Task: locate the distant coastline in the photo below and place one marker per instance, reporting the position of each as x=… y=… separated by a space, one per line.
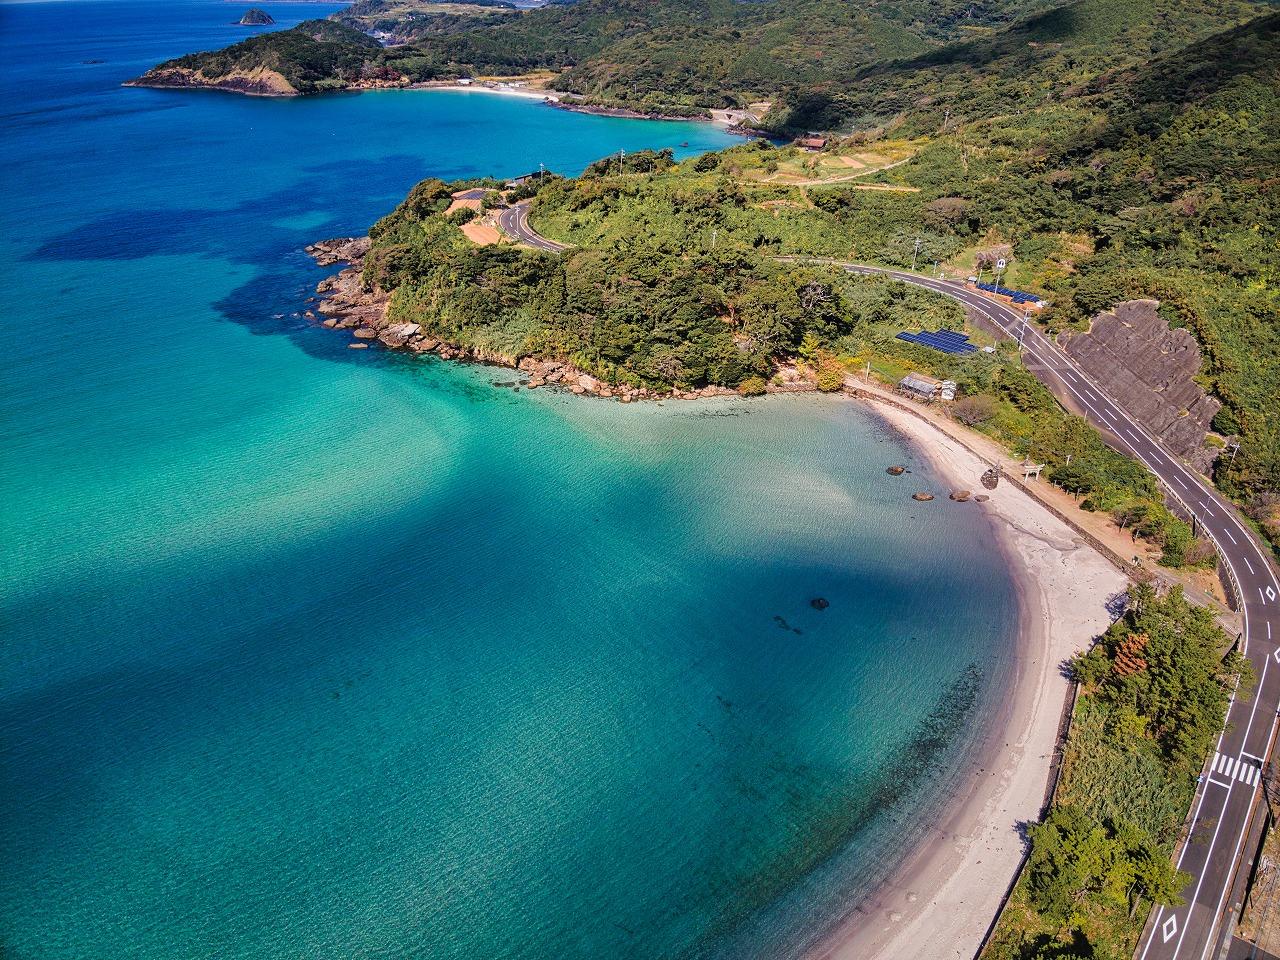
x=268 y=83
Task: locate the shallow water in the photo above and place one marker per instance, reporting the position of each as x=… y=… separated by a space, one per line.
x=315 y=653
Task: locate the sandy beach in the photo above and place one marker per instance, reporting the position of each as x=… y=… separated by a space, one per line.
x=940 y=902
x=521 y=92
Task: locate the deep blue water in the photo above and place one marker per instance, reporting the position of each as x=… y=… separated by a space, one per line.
x=309 y=653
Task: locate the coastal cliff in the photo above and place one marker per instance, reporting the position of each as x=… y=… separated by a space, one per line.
x=313 y=57
x=259 y=82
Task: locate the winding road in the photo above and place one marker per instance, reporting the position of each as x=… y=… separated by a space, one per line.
x=1231 y=785
x=1215 y=851
x=514 y=222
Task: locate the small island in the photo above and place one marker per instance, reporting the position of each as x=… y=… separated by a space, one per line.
x=256 y=18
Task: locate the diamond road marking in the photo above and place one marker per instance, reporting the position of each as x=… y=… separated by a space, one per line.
x=1169 y=928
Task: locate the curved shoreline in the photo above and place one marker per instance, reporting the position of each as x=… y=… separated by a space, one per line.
x=958 y=859
x=945 y=893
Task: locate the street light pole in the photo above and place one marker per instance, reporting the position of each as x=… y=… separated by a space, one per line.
x=915 y=252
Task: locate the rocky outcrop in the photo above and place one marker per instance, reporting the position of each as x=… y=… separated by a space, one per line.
x=1134 y=355
x=256 y=18
x=340 y=250
x=255 y=83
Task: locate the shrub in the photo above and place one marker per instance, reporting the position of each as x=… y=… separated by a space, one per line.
x=974 y=411
x=830 y=377
x=751 y=387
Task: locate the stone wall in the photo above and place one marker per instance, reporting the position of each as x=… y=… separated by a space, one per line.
x=1131 y=352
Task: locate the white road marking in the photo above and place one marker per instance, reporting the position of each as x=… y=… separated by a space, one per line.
x=1219 y=783
x=1228 y=533
x=1169 y=928
x=1249 y=565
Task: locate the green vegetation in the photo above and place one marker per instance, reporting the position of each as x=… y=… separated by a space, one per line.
x=1153 y=696
x=314 y=56
x=823 y=63
x=406 y=21
x=675 y=279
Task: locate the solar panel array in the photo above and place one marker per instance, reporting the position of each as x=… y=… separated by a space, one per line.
x=1017 y=296
x=947 y=341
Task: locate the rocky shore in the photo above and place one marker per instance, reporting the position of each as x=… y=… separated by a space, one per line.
x=347 y=305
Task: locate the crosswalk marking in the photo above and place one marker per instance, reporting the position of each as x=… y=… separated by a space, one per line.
x=1235 y=768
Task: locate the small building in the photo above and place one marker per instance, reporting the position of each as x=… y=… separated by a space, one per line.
x=920 y=386
x=812 y=142
x=520 y=181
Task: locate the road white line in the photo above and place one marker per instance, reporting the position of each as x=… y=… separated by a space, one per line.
x=1244 y=825
x=1219 y=783
x=1249 y=565
x=1227 y=531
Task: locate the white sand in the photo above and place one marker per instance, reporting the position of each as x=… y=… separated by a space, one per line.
x=526 y=93
x=942 y=899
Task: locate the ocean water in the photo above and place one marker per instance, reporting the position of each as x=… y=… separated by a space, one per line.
x=314 y=653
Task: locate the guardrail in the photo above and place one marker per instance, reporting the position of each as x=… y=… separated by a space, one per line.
x=1223 y=563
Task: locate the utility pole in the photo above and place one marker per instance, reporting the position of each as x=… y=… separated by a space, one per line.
x=935 y=269
x=713 y=237
x=1026 y=313
x=915 y=252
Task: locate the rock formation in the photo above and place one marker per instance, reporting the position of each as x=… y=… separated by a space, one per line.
x=1134 y=355
x=256 y=18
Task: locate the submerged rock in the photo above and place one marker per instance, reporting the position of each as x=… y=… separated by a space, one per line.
x=895 y=471
x=819 y=603
x=922 y=496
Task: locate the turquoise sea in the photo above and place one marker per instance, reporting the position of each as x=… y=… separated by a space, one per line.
x=310 y=653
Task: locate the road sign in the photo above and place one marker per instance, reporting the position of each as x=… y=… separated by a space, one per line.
x=1000 y=264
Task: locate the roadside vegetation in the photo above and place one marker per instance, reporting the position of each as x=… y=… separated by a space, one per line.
x=1153 y=696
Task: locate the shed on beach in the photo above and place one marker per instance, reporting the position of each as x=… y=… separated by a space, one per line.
x=923 y=387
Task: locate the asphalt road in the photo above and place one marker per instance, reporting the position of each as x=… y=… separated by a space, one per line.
x=1231 y=781
x=1232 y=776
x=514 y=222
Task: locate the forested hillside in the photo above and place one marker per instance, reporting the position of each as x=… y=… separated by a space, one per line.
x=824 y=63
